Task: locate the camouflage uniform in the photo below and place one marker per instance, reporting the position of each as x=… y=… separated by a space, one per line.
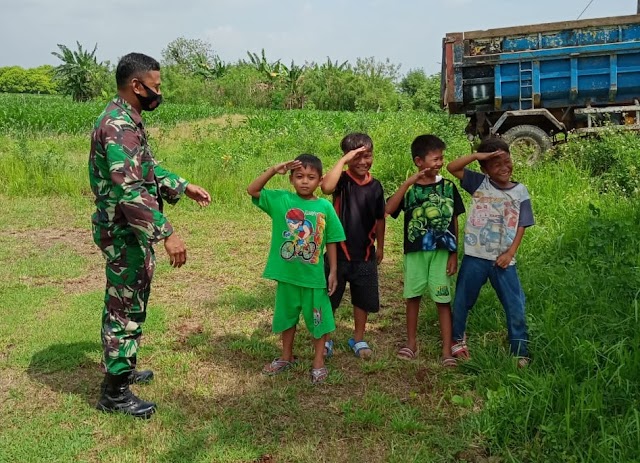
x=129 y=186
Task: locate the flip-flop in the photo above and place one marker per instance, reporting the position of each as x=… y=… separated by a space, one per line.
x=277 y=366
x=448 y=362
x=460 y=350
x=319 y=375
x=407 y=354
x=328 y=347
x=360 y=349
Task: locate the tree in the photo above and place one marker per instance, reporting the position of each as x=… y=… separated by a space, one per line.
x=80 y=74
x=423 y=90
x=191 y=55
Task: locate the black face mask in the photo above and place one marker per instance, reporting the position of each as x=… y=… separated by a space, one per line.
x=151 y=101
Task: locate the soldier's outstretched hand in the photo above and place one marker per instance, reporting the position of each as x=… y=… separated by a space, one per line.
x=176 y=250
x=198 y=194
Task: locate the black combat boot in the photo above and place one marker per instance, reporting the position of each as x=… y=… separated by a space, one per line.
x=116 y=397
x=140 y=377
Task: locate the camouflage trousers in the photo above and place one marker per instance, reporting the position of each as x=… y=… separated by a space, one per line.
x=129 y=270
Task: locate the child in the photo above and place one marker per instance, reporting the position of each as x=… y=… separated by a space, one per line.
x=431 y=207
x=500 y=212
x=359 y=201
x=301 y=227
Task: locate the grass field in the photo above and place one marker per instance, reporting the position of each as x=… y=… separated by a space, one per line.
x=208 y=329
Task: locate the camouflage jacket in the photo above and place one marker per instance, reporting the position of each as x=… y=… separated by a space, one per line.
x=128 y=183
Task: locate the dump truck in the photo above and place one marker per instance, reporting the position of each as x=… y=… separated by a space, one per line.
x=533 y=85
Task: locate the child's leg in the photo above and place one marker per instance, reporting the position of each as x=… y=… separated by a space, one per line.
x=318 y=317
x=444 y=316
x=365 y=297
x=318 y=358
x=335 y=299
x=360 y=317
x=472 y=275
x=287 y=344
x=416 y=279
x=509 y=291
x=413 y=308
x=285 y=319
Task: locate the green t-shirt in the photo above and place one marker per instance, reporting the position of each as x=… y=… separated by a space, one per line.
x=300 y=230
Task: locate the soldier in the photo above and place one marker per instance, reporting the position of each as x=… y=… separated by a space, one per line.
x=129 y=188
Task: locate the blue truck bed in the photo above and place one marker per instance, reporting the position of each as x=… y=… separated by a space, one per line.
x=556 y=68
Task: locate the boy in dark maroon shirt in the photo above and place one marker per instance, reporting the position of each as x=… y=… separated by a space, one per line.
x=359 y=201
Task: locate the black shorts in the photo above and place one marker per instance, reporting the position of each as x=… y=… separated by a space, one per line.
x=363 y=284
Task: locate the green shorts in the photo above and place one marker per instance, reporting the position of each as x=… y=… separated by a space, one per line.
x=427 y=269
x=314 y=304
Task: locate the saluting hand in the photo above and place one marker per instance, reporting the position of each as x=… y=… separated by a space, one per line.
x=353 y=154
x=198 y=194
x=485 y=156
x=285 y=167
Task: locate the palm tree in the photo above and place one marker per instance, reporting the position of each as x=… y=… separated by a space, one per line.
x=78 y=75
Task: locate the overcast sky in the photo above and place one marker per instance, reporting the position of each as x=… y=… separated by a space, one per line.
x=408 y=32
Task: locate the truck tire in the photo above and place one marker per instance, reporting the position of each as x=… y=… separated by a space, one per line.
x=527 y=143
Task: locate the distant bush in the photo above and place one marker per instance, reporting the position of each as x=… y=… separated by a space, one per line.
x=14 y=79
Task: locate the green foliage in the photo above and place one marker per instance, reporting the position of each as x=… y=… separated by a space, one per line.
x=193 y=73
x=422 y=90
x=80 y=75
x=329 y=87
x=190 y=55
x=31 y=114
x=611 y=160
x=14 y=79
x=579 y=399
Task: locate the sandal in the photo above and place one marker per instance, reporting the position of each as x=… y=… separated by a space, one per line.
x=460 y=350
x=448 y=362
x=328 y=349
x=360 y=349
x=407 y=354
x=523 y=362
x=277 y=366
x=319 y=375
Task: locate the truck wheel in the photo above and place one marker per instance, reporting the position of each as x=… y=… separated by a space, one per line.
x=527 y=143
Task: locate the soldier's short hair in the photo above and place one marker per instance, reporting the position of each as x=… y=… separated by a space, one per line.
x=134 y=65
x=310 y=161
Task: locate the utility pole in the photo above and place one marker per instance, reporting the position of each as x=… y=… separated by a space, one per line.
x=638 y=8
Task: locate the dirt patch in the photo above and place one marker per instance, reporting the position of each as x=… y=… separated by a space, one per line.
x=187 y=130
x=187 y=328
x=78 y=239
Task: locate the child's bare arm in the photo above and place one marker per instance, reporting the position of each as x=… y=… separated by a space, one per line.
x=456 y=167
x=381 y=226
x=332 y=255
x=452 y=263
x=506 y=257
x=394 y=202
x=258 y=184
x=330 y=180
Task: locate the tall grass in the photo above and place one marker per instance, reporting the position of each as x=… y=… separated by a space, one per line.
x=23 y=114
x=580 y=398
